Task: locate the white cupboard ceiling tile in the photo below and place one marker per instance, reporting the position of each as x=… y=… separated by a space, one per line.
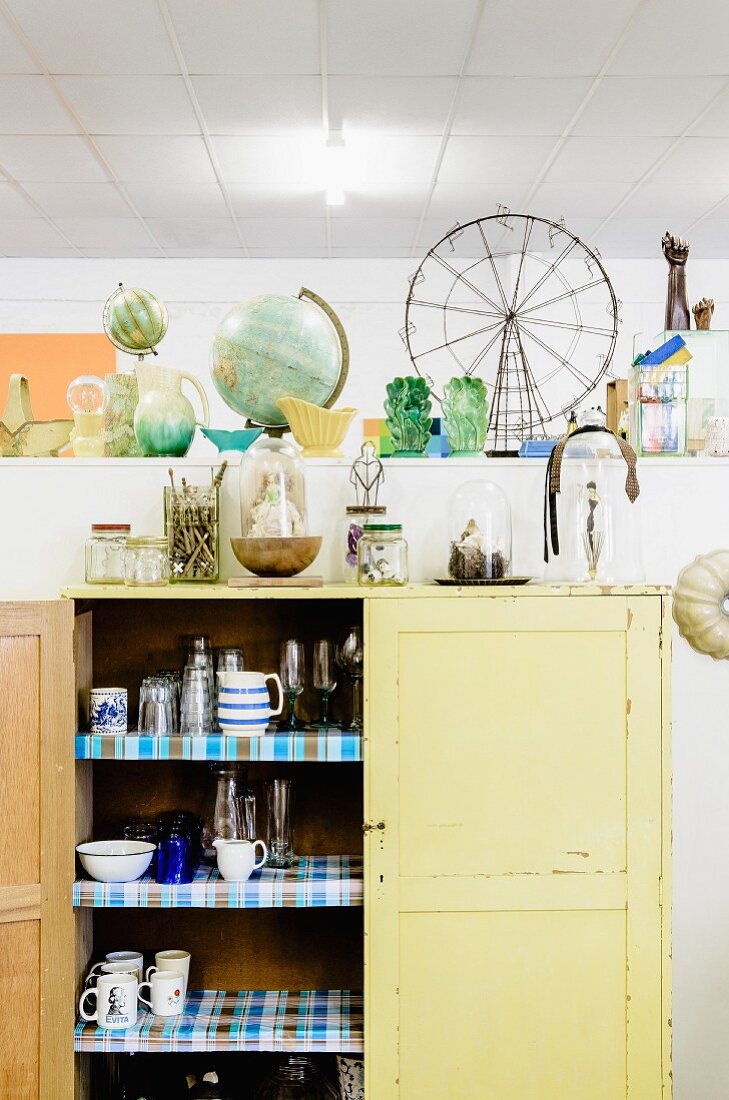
x=25 y=236
x=491 y=159
x=400 y=104
x=371 y=252
x=409 y=37
x=593 y=160
x=78 y=200
x=393 y=200
x=248 y=36
x=131 y=104
x=73 y=36
x=28 y=105
x=13 y=205
x=14 y=58
x=373 y=232
x=177 y=200
x=255 y=200
x=464 y=202
x=169 y=159
x=558 y=38
x=63 y=159
x=716 y=121
x=104 y=232
x=288 y=252
x=259 y=104
x=518 y=105
x=697 y=160
x=195 y=232
x=571 y=201
x=645 y=107
x=697 y=37
x=282 y=233
x=673 y=201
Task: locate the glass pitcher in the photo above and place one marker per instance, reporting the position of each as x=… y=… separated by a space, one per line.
x=233 y=813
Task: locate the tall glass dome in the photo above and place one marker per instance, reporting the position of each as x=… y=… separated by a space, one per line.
x=272 y=490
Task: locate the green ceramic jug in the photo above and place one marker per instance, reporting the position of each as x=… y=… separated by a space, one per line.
x=164 y=420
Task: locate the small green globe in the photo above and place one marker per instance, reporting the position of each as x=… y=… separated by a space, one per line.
x=277 y=346
x=134 y=320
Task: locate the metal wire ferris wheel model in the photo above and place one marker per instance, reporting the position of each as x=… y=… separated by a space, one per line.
x=524 y=304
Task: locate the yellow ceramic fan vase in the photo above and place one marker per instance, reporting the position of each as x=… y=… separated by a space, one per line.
x=701 y=604
x=319 y=432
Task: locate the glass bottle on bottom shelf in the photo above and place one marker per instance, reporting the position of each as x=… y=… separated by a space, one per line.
x=232 y=816
x=297 y=1078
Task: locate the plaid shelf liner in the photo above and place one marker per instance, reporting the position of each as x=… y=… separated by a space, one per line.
x=313 y=882
x=327 y=1020
x=331 y=745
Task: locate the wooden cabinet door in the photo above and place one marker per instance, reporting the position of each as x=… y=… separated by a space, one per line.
x=514 y=848
x=37 y=981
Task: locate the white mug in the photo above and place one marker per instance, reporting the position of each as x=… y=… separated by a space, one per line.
x=109 y=968
x=166 y=993
x=244 y=705
x=237 y=858
x=175 y=962
x=134 y=959
x=116 y=1001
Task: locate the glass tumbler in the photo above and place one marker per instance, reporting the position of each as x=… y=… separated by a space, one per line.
x=156 y=715
x=196 y=713
x=230 y=659
x=280 y=832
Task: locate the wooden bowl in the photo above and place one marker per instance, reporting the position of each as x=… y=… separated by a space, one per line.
x=283 y=557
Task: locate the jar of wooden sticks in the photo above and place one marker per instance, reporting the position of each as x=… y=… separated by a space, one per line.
x=192 y=524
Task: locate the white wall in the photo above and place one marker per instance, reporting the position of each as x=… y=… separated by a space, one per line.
x=47 y=507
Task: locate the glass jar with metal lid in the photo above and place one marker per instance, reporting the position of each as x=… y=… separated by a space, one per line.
x=146 y=562
x=105 y=553
x=382 y=555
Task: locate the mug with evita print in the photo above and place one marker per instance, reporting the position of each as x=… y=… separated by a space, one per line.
x=116 y=1001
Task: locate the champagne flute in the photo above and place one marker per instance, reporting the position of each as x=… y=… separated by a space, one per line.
x=292 y=678
x=325 y=677
x=350 y=658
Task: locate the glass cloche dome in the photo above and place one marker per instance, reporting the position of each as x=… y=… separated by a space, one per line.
x=272 y=490
x=479 y=533
x=592 y=520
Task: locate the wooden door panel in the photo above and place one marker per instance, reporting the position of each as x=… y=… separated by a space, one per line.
x=20 y=1009
x=512 y=753
x=19 y=764
x=513 y=1006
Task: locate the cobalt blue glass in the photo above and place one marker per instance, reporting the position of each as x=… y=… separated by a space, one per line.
x=175 y=857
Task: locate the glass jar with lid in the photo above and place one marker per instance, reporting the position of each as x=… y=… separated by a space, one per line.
x=480 y=533
x=146 y=562
x=356 y=518
x=272 y=490
x=105 y=553
x=382 y=555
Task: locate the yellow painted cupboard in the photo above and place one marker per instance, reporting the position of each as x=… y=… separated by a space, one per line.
x=516 y=808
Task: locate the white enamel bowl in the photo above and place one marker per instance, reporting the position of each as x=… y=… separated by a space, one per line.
x=115 y=860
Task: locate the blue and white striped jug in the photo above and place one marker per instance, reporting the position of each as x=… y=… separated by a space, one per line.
x=244 y=704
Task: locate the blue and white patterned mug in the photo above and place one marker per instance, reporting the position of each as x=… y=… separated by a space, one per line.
x=108 y=710
x=244 y=705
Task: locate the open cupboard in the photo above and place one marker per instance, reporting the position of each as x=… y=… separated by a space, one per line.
x=510 y=798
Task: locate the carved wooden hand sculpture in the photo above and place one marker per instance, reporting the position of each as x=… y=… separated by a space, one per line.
x=703 y=311
x=676 y=251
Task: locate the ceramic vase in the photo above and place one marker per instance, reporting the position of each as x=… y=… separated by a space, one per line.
x=465 y=416
x=408 y=421
x=164 y=420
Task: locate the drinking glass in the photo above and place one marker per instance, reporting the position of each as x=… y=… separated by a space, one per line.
x=174 y=677
x=280 y=832
x=350 y=658
x=200 y=654
x=325 y=677
x=155 y=707
x=196 y=716
x=246 y=807
x=292 y=678
x=230 y=659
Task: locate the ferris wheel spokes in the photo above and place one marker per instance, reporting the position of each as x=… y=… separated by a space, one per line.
x=550 y=270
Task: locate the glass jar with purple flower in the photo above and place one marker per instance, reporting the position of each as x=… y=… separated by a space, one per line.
x=356 y=518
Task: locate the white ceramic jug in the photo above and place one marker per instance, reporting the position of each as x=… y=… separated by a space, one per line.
x=237 y=858
x=244 y=705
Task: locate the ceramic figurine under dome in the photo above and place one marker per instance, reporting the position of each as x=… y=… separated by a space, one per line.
x=274 y=514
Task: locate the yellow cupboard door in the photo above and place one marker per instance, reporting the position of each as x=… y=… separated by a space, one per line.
x=36 y=851
x=513 y=848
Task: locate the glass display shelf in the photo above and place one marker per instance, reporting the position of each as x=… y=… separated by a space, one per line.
x=311 y=1021
x=309 y=745
x=313 y=882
